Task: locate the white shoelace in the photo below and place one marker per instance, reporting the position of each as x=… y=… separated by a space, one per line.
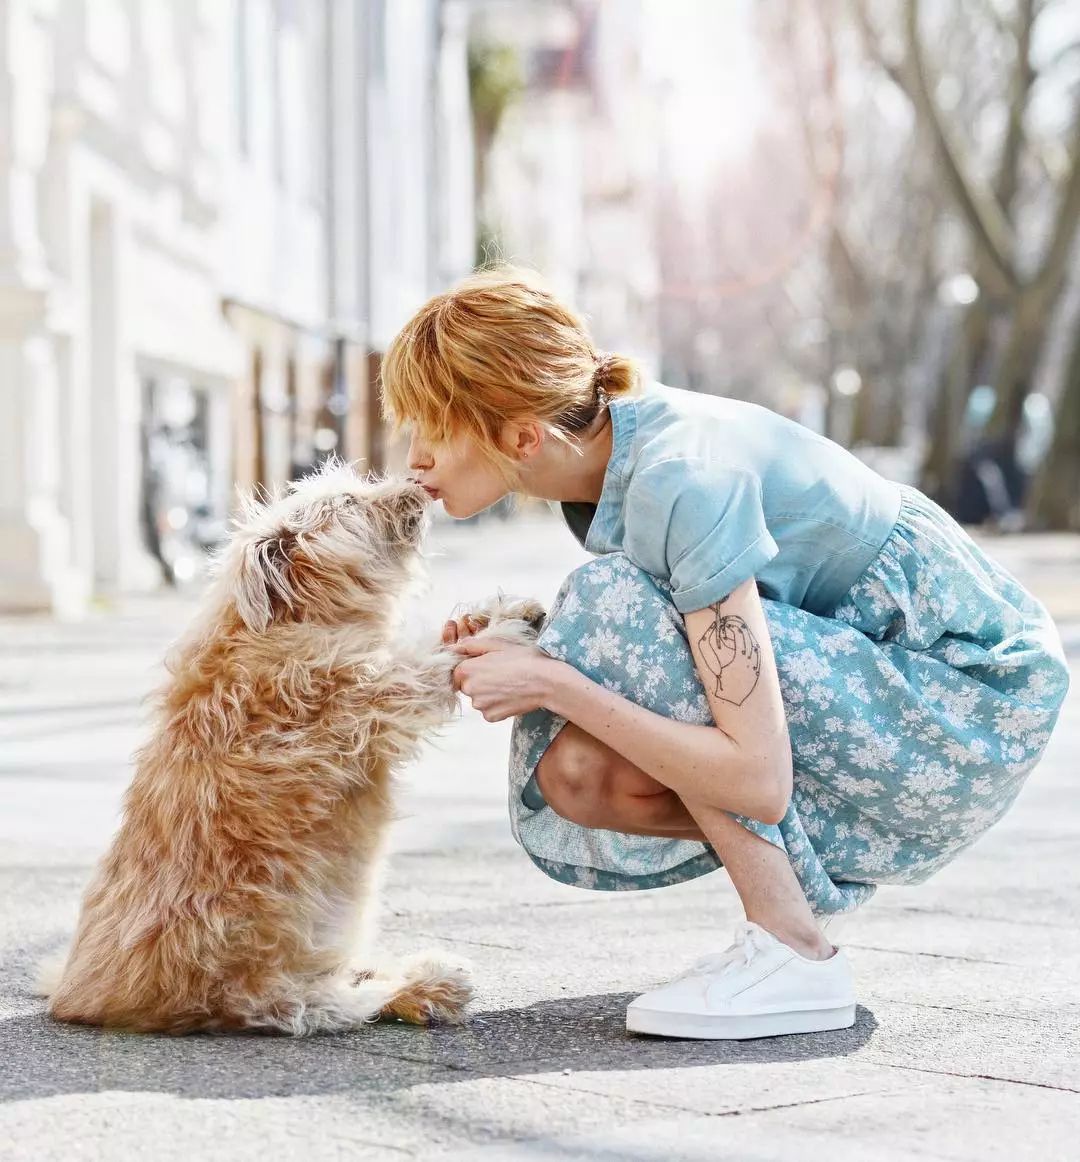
x=748 y=943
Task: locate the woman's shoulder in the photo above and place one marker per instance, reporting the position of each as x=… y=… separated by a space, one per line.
x=691 y=432
x=724 y=435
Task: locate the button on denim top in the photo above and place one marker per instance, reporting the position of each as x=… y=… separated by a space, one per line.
x=707 y=492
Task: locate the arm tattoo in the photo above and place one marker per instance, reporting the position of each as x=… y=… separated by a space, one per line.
x=732 y=656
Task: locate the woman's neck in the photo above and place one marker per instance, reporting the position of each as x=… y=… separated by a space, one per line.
x=563 y=473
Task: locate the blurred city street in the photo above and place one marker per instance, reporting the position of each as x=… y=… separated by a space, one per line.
x=217 y=218
x=964 y=1047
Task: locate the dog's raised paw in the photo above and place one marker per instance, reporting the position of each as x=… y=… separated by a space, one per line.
x=529 y=611
x=502 y=608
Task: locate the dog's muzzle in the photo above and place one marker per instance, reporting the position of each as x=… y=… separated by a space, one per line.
x=412 y=510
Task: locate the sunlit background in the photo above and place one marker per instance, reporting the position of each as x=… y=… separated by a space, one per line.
x=215 y=214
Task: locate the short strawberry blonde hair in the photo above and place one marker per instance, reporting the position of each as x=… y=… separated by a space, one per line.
x=498 y=347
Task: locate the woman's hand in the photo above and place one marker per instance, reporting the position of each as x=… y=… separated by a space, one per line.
x=503 y=680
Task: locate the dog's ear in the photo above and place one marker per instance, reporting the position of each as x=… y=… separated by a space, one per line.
x=263 y=587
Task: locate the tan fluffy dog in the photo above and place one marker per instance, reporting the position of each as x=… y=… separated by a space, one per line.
x=237 y=893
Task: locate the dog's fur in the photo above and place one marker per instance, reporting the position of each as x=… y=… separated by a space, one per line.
x=237 y=893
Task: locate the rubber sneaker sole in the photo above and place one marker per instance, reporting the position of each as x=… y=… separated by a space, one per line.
x=719 y=1027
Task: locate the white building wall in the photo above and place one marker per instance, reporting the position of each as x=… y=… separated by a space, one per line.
x=401 y=154
x=303 y=166
x=455 y=243
x=97 y=96
x=421 y=230
x=273 y=215
x=117 y=104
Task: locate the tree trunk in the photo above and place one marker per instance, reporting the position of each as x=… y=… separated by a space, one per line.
x=954 y=386
x=1054 y=500
x=892 y=427
x=878 y=412
x=1019 y=359
x=866 y=412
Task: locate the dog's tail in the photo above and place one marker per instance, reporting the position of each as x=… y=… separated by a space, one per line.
x=49 y=971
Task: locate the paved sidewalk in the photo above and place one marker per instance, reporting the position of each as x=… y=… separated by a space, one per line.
x=967 y=1044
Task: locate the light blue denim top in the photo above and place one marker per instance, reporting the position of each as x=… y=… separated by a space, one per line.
x=706 y=492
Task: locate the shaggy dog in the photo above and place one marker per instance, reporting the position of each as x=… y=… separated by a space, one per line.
x=238 y=891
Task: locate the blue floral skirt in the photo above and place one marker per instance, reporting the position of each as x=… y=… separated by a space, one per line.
x=916 y=712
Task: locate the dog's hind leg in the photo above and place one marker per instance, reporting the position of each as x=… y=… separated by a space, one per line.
x=423 y=991
x=429 y=991
x=331 y=1005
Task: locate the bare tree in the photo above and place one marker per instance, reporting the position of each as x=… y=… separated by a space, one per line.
x=1020 y=280
x=875 y=266
x=1054 y=500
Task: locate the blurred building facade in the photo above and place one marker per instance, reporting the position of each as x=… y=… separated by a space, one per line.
x=573 y=170
x=214 y=214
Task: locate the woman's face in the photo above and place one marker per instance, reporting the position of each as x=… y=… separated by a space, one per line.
x=457 y=474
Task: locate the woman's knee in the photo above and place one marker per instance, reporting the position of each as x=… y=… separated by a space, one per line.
x=575 y=779
x=581 y=781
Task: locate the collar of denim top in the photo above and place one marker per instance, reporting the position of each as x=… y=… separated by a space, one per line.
x=594 y=524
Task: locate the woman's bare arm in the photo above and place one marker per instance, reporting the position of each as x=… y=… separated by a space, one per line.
x=743 y=762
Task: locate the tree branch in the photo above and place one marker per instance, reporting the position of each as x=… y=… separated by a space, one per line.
x=1023 y=77
x=1066 y=221
x=997 y=18
x=893 y=69
x=992 y=232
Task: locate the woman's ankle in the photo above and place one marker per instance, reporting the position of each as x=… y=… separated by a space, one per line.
x=809 y=942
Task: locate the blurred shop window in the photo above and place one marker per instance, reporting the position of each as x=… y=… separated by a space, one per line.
x=181 y=522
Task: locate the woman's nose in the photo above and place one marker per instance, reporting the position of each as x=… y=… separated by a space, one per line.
x=418 y=458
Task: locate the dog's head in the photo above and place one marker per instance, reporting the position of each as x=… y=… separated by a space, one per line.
x=337 y=546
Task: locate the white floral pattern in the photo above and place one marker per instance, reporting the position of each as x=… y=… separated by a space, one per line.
x=915 y=713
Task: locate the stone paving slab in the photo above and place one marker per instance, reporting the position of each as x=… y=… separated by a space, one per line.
x=999 y=1124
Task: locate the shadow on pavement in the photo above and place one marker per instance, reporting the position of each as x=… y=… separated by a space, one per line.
x=41 y=1058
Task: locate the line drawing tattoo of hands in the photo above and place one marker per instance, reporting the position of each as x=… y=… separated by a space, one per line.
x=733 y=656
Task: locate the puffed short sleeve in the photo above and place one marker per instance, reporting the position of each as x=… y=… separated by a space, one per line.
x=698 y=526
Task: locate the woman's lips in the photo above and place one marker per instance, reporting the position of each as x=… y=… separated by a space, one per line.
x=432 y=492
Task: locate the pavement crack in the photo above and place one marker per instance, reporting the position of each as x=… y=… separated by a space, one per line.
x=461 y=940
x=979 y=1077
x=951 y=915
x=934 y=955
x=985 y=1015
x=663 y=1105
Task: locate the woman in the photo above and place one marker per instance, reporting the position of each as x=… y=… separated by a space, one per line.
x=778 y=662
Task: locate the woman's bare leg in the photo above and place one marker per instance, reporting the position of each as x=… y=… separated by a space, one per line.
x=583 y=777
x=765 y=880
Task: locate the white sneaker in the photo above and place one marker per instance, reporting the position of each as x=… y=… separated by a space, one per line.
x=756 y=988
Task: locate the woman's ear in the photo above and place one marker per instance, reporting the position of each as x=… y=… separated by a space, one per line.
x=523 y=438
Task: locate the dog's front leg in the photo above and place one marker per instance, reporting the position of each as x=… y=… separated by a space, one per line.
x=413 y=696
